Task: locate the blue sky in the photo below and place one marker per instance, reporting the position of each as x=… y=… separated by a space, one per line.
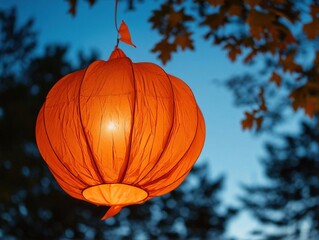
x=228 y=149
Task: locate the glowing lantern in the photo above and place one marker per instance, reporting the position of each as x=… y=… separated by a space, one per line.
x=119 y=133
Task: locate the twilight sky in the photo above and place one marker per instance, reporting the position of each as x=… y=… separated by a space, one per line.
x=228 y=149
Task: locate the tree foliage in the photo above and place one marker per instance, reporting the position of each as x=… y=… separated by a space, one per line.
x=33 y=206
x=281 y=33
x=288 y=202
x=16 y=46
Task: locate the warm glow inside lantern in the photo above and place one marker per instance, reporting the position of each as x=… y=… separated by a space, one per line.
x=119 y=133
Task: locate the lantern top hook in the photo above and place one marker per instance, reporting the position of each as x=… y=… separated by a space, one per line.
x=117 y=53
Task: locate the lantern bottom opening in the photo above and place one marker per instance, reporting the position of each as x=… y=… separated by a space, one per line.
x=114 y=194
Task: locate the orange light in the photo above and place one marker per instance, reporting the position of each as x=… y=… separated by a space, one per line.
x=119 y=133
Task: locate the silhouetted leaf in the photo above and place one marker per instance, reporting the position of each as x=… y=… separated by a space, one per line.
x=253 y=3
x=73 y=5
x=248 y=121
x=165 y=50
x=250 y=56
x=312 y=28
x=235 y=10
x=259 y=22
x=233 y=51
x=184 y=41
x=288 y=63
x=306 y=97
x=92 y=2
x=216 y=2
x=276 y=78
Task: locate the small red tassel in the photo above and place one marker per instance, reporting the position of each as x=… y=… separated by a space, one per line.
x=112 y=212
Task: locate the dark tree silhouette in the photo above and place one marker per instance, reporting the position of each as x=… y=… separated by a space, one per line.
x=32 y=205
x=17 y=44
x=289 y=201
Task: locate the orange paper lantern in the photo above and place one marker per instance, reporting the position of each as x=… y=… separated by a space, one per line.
x=119 y=133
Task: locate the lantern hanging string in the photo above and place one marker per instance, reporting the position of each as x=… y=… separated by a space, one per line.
x=115 y=22
x=123 y=33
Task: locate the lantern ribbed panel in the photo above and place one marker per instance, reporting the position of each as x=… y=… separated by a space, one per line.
x=120 y=122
